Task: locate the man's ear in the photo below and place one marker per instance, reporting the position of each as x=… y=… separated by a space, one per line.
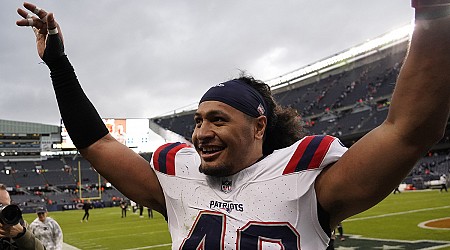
x=260 y=127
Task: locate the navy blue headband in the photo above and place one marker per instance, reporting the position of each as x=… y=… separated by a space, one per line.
x=238 y=95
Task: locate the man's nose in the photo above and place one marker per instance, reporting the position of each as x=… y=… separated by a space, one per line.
x=204 y=131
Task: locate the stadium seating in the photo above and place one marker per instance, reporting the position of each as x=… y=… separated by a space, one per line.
x=345 y=102
x=54 y=182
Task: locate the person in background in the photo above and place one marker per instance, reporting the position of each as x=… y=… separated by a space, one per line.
x=141 y=211
x=341 y=232
x=150 y=212
x=47 y=230
x=124 y=207
x=443 y=180
x=87 y=205
x=16 y=236
x=134 y=206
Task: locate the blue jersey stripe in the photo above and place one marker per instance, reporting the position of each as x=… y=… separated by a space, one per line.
x=309 y=153
x=162 y=159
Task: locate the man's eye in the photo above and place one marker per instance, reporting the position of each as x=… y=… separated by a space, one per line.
x=218 y=119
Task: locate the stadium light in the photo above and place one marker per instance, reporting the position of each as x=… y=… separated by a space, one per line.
x=7 y=170
x=38 y=169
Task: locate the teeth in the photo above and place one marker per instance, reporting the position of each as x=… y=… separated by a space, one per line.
x=210 y=149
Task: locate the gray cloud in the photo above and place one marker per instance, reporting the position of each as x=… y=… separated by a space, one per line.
x=145 y=58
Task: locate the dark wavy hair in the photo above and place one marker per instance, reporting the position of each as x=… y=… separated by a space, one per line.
x=285 y=124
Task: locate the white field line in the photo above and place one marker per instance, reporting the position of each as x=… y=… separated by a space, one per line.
x=150 y=247
x=397 y=213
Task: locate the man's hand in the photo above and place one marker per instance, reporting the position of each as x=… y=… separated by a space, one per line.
x=43 y=25
x=8 y=231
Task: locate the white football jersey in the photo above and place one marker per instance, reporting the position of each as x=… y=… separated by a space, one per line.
x=269 y=205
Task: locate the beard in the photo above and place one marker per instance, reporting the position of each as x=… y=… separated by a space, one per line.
x=215 y=171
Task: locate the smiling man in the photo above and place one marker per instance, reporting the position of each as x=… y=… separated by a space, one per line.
x=253 y=180
x=234 y=174
x=230 y=124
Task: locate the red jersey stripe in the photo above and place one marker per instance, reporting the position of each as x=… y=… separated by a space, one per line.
x=170 y=159
x=293 y=162
x=156 y=155
x=321 y=151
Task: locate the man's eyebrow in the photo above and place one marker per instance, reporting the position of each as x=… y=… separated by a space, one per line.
x=212 y=113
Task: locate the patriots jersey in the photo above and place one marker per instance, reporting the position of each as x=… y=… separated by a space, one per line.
x=269 y=205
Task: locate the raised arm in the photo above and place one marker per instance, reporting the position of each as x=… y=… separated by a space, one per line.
x=417 y=118
x=126 y=170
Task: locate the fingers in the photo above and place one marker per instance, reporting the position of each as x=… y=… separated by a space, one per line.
x=29 y=20
x=51 y=24
x=42 y=14
x=23 y=13
x=43 y=23
x=53 y=27
x=4 y=231
x=39 y=21
x=44 y=26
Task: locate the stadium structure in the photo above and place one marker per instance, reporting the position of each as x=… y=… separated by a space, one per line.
x=345 y=95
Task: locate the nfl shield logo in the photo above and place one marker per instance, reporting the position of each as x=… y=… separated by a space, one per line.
x=261 y=109
x=226 y=186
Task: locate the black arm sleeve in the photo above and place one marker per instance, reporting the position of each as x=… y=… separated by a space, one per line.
x=79 y=115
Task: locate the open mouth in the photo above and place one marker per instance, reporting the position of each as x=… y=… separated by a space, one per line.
x=208 y=152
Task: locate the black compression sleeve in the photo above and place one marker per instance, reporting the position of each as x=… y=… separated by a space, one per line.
x=79 y=115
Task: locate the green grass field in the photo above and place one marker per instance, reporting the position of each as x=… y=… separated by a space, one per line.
x=107 y=230
x=395 y=220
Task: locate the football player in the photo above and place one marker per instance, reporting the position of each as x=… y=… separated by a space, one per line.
x=251 y=180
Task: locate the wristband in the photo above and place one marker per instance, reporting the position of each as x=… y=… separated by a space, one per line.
x=53 y=31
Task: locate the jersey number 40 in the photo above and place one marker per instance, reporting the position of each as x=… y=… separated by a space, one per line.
x=208 y=232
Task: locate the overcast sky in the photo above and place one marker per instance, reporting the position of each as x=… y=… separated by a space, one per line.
x=145 y=58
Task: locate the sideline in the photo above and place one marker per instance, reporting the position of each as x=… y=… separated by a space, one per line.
x=69 y=247
x=398 y=213
x=149 y=247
